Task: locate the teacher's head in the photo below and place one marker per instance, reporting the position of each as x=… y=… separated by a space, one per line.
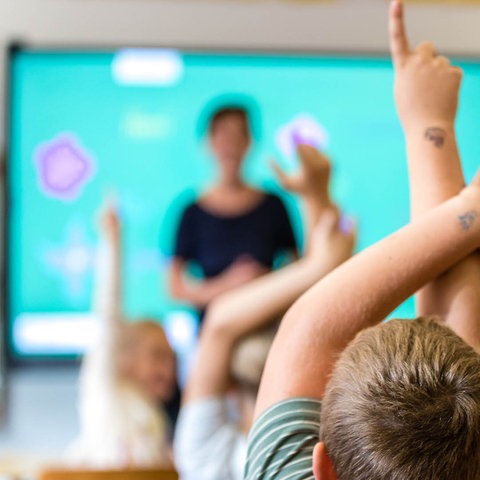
x=229 y=134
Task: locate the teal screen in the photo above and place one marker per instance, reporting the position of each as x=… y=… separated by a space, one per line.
x=131 y=124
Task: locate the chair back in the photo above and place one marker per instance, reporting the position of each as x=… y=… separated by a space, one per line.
x=55 y=474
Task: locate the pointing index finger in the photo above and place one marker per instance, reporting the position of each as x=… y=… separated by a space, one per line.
x=399 y=45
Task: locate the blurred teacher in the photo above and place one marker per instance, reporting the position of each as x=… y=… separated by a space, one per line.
x=234 y=231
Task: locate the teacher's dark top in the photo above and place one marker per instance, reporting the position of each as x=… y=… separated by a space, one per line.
x=214 y=242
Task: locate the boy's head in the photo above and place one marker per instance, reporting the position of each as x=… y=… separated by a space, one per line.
x=404 y=403
x=229 y=132
x=148 y=360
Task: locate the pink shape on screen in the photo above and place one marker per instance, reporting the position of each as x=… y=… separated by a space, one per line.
x=64 y=167
x=303 y=129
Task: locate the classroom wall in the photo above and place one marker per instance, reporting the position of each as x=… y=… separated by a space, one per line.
x=346 y=24
x=41 y=406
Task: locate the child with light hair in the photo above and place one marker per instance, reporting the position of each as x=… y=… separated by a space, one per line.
x=347 y=397
x=238 y=332
x=126 y=379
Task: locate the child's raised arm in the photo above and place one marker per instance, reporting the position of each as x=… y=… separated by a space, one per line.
x=108 y=275
x=312 y=183
x=361 y=293
x=426 y=92
x=261 y=302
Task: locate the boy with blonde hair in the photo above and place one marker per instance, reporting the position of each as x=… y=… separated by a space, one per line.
x=399 y=400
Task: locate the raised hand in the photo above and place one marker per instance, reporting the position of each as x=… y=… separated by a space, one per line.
x=332 y=243
x=312 y=180
x=110 y=222
x=426 y=85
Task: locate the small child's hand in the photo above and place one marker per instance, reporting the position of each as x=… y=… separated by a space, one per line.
x=110 y=222
x=333 y=243
x=313 y=178
x=426 y=85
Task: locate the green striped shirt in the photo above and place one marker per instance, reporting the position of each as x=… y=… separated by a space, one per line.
x=281 y=442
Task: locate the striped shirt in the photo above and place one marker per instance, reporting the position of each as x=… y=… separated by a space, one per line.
x=281 y=442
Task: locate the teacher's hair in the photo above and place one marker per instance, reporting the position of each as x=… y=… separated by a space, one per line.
x=227 y=111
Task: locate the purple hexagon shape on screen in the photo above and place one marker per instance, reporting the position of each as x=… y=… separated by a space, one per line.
x=64 y=167
x=303 y=129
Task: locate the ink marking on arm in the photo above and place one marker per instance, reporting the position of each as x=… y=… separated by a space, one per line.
x=467 y=220
x=436 y=136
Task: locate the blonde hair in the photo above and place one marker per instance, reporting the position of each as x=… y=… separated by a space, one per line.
x=249 y=358
x=141 y=327
x=130 y=337
x=403 y=403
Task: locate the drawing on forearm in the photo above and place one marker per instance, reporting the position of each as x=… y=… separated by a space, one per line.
x=436 y=136
x=468 y=219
